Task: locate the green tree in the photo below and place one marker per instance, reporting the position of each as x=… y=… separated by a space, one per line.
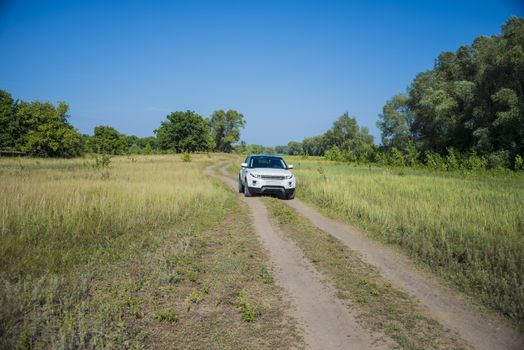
x=395 y=123
x=347 y=135
x=9 y=128
x=225 y=128
x=184 y=132
x=282 y=149
x=294 y=148
x=314 y=146
x=45 y=130
x=108 y=140
x=472 y=100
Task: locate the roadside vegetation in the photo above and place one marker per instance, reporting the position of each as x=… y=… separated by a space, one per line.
x=118 y=252
x=465 y=226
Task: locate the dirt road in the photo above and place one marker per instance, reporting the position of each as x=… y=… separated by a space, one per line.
x=326 y=322
x=478 y=327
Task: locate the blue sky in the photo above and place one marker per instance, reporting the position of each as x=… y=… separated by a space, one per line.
x=291 y=67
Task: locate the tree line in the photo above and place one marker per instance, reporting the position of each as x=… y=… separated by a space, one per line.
x=42 y=129
x=468 y=109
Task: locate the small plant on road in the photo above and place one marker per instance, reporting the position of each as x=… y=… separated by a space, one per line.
x=245 y=307
x=166 y=315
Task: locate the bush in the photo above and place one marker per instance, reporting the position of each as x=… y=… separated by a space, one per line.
x=475 y=162
x=412 y=154
x=453 y=159
x=334 y=154
x=186 y=157
x=498 y=160
x=395 y=157
x=434 y=161
x=519 y=163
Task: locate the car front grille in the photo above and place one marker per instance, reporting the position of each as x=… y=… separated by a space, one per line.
x=273 y=177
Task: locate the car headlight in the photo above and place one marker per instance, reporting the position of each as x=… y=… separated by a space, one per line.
x=255 y=175
x=289 y=176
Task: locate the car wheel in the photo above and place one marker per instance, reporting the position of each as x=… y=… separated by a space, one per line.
x=290 y=195
x=240 y=186
x=246 y=192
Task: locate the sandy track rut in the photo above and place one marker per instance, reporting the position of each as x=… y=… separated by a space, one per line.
x=326 y=321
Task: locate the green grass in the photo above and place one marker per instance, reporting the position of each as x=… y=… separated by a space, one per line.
x=112 y=257
x=379 y=306
x=466 y=227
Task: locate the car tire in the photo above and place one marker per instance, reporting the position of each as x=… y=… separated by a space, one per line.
x=246 y=192
x=240 y=186
x=289 y=196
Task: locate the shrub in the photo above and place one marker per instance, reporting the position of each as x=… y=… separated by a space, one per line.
x=395 y=157
x=349 y=156
x=412 y=154
x=186 y=157
x=334 y=154
x=453 y=159
x=434 y=161
x=519 y=163
x=475 y=162
x=498 y=160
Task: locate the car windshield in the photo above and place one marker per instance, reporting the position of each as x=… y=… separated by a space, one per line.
x=268 y=162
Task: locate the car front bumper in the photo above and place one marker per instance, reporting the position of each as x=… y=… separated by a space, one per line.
x=262 y=186
x=278 y=190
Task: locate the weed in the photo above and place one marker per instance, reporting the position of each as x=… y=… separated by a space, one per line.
x=166 y=315
x=246 y=309
x=101 y=161
x=196 y=297
x=265 y=275
x=186 y=157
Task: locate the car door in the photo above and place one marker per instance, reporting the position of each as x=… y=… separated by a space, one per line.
x=243 y=171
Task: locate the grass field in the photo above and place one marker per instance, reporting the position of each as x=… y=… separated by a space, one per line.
x=120 y=256
x=466 y=227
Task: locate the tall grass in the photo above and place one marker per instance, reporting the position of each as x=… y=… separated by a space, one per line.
x=467 y=227
x=64 y=221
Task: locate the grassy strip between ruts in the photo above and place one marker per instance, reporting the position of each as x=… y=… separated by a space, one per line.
x=380 y=306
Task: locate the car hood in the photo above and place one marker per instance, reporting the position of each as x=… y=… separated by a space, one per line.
x=270 y=171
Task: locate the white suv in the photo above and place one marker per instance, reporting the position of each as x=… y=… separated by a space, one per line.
x=266 y=175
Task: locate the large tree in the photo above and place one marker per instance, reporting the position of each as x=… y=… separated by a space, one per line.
x=39 y=129
x=108 y=140
x=348 y=136
x=49 y=133
x=472 y=100
x=315 y=145
x=184 y=132
x=9 y=128
x=395 y=122
x=225 y=128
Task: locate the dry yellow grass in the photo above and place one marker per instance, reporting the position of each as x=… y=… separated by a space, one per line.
x=55 y=213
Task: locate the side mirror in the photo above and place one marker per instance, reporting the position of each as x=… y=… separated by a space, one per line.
x=290 y=166
x=243 y=165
